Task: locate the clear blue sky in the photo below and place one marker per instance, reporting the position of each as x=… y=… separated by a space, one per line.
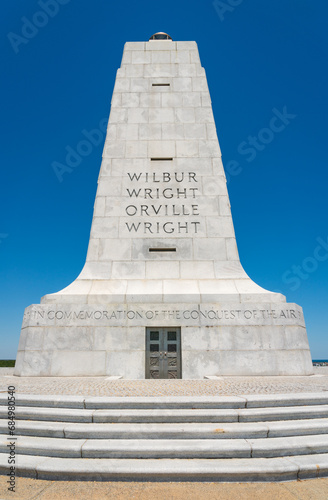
x=57 y=80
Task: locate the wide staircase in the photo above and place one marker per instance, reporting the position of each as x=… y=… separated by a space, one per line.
x=246 y=438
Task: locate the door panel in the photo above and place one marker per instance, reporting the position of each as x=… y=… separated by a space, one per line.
x=163 y=353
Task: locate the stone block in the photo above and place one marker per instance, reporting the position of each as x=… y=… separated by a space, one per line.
x=232 y=251
x=73 y=363
x=127 y=57
x=131 y=363
x=181 y=56
x=118 y=338
x=127 y=131
x=196 y=270
x=160 y=70
x=136 y=149
x=220 y=227
x=172 y=131
x=186 y=70
x=122 y=85
x=224 y=204
x=182 y=84
x=150 y=100
x=166 y=270
x=109 y=187
x=164 y=115
x=129 y=270
x=135 y=70
x=104 y=227
x=199 y=363
x=210 y=249
x=214 y=185
x=106 y=164
x=139 y=85
x=107 y=291
x=140 y=57
x=204 y=115
x=99 y=208
x=178 y=290
x=160 y=56
x=137 y=115
x=130 y=99
x=114 y=249
x=194 y=57
x=31 y=339
x=172 y=100
x=187 y=148
x=194 y=130
x=161 y=45
x=295 y=337
x=187 y=46
x=118 y=115
x=114 y=149
x=145 y=291
x=161 y=149
x=199 y=84
x=215 y=290
x=77 y=338
x=135 y=46
x=96 y=271
x=217 y=166
x=185 y=115
x=33 y=363
x=229 y=269
x=151 y=132
x=206 y=101
x=116 y=100
x=191 y=99
x=209 y=149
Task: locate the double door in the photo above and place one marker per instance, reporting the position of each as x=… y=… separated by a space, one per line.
x=163 y=353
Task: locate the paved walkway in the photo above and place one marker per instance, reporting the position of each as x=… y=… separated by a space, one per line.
x=103 y=386
x=33 y=489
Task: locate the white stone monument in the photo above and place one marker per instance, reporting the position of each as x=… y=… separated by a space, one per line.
x=162 y=293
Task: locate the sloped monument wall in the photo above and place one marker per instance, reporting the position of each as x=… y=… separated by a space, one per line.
x=162 y=249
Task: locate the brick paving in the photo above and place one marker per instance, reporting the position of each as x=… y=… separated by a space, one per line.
x=102 y=386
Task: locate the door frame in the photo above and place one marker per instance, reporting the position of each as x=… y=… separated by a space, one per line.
x=164 y=353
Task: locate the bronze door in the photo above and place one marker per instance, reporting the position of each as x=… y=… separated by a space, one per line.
x=163 y=353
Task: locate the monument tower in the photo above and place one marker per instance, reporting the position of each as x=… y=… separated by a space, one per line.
x=162 y=293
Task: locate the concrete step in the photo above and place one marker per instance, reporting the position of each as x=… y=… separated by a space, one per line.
x=233 y=469
x=168 y=448
x=167 y=416
x=246 y=438
x=178 y=402
x=235 y=430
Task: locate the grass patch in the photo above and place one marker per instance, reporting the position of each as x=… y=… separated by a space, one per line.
x=8 y=363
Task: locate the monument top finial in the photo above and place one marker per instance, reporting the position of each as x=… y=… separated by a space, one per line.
x=160 y=36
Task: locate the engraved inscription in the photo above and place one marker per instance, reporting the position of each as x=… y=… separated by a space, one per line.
x=192 y=314
x=163 y=202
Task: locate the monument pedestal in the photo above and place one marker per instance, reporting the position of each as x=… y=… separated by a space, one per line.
x=216 y=339
x=162 y=293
